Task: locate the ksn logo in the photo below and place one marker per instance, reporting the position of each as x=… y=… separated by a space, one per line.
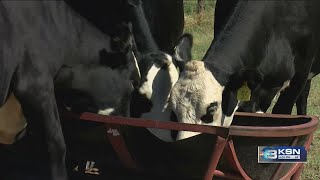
x=282 y=154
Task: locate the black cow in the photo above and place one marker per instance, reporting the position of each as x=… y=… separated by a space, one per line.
x=45 y=45
x=262 y=99
x=166 y=21
x=165 y=17
x=263 y=45
x=159 y=71
x=302 y=103
x=105 y=15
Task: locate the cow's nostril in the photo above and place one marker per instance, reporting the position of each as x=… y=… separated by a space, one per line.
x=208 y=118
x=240 y=109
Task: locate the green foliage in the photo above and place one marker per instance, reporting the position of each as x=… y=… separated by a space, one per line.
x=200 y=26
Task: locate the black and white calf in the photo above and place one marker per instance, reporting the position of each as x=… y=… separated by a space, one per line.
x=61 y=50
x=263 y=45
x=157 y=29
x=159 y=71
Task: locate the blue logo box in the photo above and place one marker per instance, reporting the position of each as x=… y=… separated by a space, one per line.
x=282 y=154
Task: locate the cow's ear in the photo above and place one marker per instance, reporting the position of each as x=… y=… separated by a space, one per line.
x=182 y=50
x=112 y=59
x=64 y=77
x=239 y=88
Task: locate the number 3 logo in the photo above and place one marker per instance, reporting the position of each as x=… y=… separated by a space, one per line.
x=272 y=154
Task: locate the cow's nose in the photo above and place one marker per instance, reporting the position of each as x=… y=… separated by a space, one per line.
x=246 y=107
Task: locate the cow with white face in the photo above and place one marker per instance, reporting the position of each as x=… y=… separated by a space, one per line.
x=197 y=98
x=263 y=45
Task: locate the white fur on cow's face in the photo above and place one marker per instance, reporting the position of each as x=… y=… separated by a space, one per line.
x=195 y=90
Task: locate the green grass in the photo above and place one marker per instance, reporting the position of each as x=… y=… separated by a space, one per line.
x=312 y=168
x=201 y=27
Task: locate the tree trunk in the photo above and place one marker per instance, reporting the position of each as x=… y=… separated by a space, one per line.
x=200 y=9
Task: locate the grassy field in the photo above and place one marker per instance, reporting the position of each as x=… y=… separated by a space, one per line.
x=201 y=27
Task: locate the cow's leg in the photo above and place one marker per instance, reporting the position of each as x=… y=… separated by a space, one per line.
x=302 y=100
x=35 y=91
x=304 y=49
x=290 y=95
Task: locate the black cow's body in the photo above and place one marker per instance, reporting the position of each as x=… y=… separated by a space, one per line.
x=105 y=15
x=166 y=21
x=44 y=43
x=302 y=103
x=263 y=98
x=165 y=17
x=263 y=44
x=295 y=21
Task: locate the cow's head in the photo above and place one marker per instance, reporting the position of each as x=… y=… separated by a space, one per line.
x=159 y=72
x=207 y=95
x=278 y=69
x=122 y=58
x=94 y=88
x=262 y=97
x=103 y=87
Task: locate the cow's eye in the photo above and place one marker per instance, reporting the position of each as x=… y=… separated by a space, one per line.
x=211 y=109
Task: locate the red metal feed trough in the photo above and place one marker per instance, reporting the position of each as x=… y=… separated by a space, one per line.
x=216 y=153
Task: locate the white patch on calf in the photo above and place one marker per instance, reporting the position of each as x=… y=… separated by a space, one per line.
x=157 y=88
x=12 y=120
x=146 y=88
x=136 y=64
x=195 y=90
x=159 y=82
x=107 y=111
x=169 y=59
